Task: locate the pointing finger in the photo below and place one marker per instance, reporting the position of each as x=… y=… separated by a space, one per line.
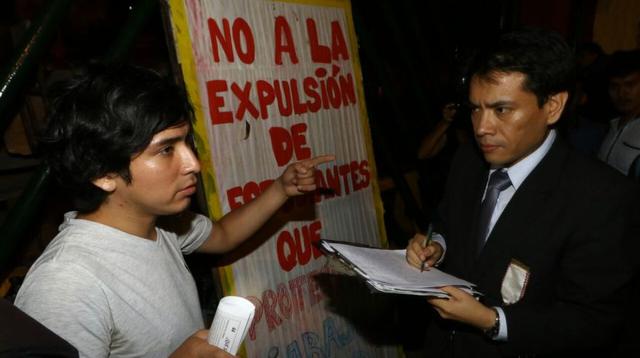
x=300 y=168
x=319 y=160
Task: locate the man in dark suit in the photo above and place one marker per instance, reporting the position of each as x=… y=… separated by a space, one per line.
x=545 y=233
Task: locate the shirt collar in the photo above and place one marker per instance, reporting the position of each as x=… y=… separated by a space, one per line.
x=521 y=170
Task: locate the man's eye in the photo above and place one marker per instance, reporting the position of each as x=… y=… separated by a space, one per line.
x=502 y=110
x=166 y=150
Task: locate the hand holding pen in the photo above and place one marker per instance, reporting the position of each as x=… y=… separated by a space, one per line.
x=422 y=251
x=425 y=242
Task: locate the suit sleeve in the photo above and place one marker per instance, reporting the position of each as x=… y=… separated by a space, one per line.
x=591 y=287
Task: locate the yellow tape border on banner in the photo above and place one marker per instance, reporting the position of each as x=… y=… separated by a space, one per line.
x=184 y=53
x=183 y=42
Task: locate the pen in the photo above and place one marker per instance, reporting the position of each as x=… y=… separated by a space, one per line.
x=425 y=243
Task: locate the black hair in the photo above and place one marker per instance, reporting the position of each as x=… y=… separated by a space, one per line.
x=542 y=56
x=623 y=63
x=101 y=119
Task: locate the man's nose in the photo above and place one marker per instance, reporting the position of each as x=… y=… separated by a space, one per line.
x=483 y=123
x=190 y=162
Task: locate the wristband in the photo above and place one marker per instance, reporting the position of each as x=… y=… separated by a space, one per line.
x=493 y=331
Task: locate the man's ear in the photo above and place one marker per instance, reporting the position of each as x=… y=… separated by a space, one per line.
x=555 y=105
x=106 y=183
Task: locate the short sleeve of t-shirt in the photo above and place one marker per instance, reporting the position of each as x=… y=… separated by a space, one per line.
x=192 y=231
x=68 y=300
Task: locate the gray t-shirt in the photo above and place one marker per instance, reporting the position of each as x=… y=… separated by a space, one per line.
x=621 y=146
x=109 y=293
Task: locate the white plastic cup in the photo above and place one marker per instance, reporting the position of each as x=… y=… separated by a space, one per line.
x=231 y=323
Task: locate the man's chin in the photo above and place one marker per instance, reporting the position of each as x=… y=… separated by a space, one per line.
x=177 y=208
x=496 y=161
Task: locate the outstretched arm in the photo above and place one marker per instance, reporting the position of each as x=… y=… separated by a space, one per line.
x=239 y=224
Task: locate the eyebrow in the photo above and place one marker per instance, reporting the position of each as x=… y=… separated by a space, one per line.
x=167 y=141
x=495 y=104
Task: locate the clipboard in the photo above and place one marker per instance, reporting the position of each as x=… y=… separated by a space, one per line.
x=387 y=270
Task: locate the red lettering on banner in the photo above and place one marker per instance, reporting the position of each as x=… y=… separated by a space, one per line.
x=269 y=302
x=216 y=102
x=347 y=89
x=284 y=104
x=322 y=91
x=298 y=106
x=303 y=245
x=247 y=193
x=321 y=73
x=286 y=251
x=337 y=180
x=297 y=248
x=299 y=140
x=322 y=53
x=284 y=44
x=266 y=96
x=245 y=104
x=333 y=89
x=277 y=307
x=286 y=143
x=284 y=301
x=242 y=31
x=310 y=85
x=230 y=38
x=338 y=43
x=233 y=195
x=223 y=38
x=333 y=180
x=314 y=234
x=295 y=286
x=250 y=191
x=363 y=169
x=319 y=53
x=353 y=169
x=257 y=316
x=281 y=145
x=344 y=169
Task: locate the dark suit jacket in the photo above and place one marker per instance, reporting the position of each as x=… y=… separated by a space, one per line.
x=572 y=222
x=23 y=336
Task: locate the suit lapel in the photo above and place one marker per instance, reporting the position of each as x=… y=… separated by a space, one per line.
x=524 y=209
x=472 y=245
x=467 y=213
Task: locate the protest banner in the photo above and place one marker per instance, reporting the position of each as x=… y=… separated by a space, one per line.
x=274 y=82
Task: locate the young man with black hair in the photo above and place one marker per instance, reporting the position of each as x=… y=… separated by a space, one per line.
x=114 y=282
x=545 y=233
x=621 y=145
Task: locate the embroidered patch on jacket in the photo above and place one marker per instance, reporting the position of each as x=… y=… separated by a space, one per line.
x=514 y=283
